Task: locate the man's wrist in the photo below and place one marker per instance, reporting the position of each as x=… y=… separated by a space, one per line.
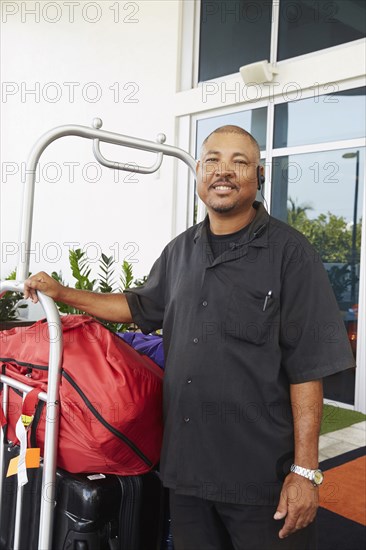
x=315 y=476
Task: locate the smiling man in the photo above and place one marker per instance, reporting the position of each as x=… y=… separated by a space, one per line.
x=227 y=179
x=245 y=305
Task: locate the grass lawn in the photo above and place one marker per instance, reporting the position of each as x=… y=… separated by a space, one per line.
x=336 y=418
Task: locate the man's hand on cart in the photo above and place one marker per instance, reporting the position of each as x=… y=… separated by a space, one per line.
x=112 y=307
x=44 y=283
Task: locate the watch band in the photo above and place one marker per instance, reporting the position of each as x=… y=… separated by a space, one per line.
x=315 y=476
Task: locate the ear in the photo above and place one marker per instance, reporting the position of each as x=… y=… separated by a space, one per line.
x=260 y=177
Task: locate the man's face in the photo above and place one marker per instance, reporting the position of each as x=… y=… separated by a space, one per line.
x=227 y=173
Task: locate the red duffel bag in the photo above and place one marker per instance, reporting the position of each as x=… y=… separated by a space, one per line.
x=110 y=396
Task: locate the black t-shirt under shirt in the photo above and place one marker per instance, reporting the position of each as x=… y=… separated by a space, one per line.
x=221 y=243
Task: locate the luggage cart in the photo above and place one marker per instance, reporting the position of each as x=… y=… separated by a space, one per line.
x=51 y=398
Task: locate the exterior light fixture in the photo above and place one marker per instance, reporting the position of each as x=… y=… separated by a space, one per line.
x=258 y=72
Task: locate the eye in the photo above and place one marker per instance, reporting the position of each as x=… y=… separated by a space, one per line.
x=240 y=161
x=212 y=159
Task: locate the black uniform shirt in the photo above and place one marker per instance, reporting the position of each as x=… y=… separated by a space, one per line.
x=238 y=329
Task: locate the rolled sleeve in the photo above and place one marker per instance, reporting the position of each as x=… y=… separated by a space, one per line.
x=313 y=337
x=147 y=302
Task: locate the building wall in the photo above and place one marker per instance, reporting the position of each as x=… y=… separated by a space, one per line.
x=66 y=63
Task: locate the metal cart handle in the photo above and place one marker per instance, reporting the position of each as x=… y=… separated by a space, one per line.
x=52 y=423
x=126 y=166
x=52 y=315
x=94 y=133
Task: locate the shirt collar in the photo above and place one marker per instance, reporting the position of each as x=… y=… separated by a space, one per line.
x=259 y=226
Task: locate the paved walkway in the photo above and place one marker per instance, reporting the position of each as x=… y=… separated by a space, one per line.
x=342 y=441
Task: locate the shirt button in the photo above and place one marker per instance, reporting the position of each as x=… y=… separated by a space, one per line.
x=195 y=340
x=204 y=303
x=186 y=419
x=189 y=380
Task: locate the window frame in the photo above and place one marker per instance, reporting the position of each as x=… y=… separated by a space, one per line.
x=343 y=65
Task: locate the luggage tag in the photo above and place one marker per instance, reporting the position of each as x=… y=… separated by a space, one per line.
x=32 y=460
x=28 y=458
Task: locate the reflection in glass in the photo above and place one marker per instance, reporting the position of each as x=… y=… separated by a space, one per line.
x=321 y=195
x=308 y=26
x=321 y=118
x=254 y=121
x=232 y=34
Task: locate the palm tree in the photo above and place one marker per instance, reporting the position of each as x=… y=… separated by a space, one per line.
x=297 y=214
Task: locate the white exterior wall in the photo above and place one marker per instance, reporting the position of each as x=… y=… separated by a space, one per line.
x=134 y=51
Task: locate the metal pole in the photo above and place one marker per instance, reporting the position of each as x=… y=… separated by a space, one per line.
x=4 y=405
x=354 y=233
x=52 y=416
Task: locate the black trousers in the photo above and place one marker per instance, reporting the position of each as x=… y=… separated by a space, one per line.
x=199 y=524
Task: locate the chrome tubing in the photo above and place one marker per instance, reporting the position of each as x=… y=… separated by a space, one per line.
x=126 y=166
x=52 y=416
x=94 y=133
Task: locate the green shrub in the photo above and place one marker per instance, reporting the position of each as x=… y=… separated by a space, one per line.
x=9 y=303
x=106 y=282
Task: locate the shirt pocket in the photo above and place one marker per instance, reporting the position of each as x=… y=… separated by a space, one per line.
x=252 y=315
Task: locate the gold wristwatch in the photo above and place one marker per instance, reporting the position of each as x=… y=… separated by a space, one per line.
x=315 y=476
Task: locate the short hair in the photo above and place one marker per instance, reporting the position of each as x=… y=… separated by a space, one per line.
x=232 y=129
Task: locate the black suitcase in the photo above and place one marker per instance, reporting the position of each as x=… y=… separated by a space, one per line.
x=92 y=512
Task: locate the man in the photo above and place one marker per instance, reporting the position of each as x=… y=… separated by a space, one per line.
x=245 y=306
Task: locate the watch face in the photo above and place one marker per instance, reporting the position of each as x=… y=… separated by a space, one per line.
x=318 y=477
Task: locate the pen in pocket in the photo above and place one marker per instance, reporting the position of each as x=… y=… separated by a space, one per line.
x=267 y=299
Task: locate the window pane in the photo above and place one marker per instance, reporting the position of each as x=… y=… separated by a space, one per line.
x=307 y=25
x=233 y=34
x=321 y=195
x=318 y=119
x=254 y=121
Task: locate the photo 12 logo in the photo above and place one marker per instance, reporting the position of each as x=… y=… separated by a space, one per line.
x=70 y=12
x=67 y=172
x=53 y=252
x=235 y=92
x=68 y=92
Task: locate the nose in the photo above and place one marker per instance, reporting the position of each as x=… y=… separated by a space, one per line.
x=225 y=169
